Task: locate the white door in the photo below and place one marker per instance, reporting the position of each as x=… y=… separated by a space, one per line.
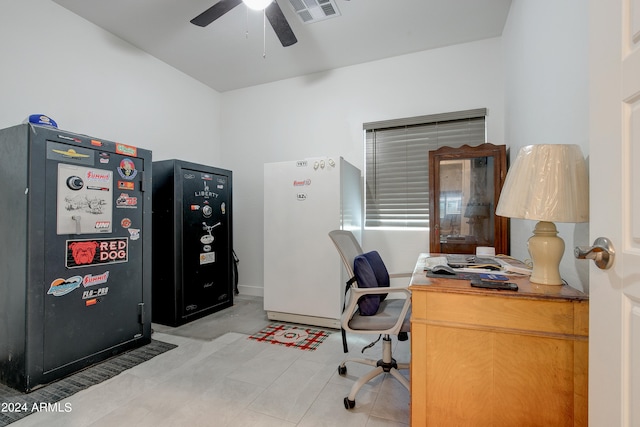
x=614 y=158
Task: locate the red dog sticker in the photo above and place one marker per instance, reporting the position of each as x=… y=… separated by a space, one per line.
x=83 y=252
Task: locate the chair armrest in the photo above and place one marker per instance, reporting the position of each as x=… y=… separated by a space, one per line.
x=358 y=292
x=386 y=290
x=396 y=275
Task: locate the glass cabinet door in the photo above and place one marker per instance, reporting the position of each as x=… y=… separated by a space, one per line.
x=464 y=187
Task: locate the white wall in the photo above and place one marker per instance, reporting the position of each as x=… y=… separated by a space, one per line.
x=90 y=82
x=322 y=114
x=56 y=63
x=546 y=86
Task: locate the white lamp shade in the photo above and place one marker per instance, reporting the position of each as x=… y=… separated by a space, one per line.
x=257 y=4
x=547 y=182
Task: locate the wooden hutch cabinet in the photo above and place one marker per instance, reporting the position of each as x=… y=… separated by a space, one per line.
x=464 y=187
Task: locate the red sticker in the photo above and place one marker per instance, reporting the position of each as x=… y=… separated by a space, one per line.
x=126 y=185
x=84 y=253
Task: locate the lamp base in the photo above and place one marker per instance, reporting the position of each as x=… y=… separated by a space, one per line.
x=546 y=250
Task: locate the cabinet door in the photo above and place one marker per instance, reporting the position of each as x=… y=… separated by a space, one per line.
x=459 y=375
x=93 y=272
x=464 y=187
x=533 y=380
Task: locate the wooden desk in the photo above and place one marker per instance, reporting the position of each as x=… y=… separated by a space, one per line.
x=497 y=358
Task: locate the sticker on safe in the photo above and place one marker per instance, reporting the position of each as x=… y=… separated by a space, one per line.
x=84 y=253
x=207 y=258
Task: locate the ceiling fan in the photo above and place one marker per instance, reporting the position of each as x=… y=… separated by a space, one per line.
x=272 y=12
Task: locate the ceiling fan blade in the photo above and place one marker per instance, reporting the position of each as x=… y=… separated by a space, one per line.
x=215 y=12
x=280 y=25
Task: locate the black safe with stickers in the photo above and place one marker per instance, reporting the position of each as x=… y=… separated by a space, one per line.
x=192 y=235
x=75 y=259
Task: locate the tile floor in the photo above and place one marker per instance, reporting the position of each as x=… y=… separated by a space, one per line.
x=218 y=377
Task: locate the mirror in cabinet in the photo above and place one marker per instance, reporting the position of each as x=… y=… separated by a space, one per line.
x=464 y=187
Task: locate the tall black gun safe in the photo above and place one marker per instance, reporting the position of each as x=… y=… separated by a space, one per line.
x=192 y=238
x=75 y=258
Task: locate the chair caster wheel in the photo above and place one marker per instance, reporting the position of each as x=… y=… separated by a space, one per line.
x=349 y=404
x=342 y=370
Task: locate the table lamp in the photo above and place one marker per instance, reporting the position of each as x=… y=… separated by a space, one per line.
x=547 y=183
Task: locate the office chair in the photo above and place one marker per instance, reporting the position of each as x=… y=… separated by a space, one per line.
x=391 y=317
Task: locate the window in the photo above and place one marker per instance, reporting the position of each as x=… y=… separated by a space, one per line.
x=397 y=163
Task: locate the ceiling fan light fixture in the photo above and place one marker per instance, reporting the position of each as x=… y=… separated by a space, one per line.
x=257 y=4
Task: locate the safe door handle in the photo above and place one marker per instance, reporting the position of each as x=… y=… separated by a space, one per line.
x=77 y=219
x=602 y=253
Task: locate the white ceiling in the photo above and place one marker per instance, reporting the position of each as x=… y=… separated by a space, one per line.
x=228 y=54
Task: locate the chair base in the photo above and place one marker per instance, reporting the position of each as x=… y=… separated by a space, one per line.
x=385 y=365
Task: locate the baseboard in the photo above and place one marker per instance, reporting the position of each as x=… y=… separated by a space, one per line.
x=254 y=291
x=323 y=322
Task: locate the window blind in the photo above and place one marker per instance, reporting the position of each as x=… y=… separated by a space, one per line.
x=397 y=163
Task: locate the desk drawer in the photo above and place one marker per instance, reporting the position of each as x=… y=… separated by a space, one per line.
x=493 y=312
